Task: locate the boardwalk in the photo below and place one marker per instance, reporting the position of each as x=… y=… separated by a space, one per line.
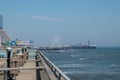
x=32 y=65
x=27 y=74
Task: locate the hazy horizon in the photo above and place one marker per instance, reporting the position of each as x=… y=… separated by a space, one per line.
x=72 y=22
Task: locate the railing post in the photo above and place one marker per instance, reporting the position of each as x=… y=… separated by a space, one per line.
x=22 y=50
x=59 y=78
x=5 y=75
x=37 y=70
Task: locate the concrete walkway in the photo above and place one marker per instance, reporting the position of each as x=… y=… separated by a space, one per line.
x=27 y=74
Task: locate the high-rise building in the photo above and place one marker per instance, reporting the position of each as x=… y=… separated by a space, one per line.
x=1 y=22
x=3 y=35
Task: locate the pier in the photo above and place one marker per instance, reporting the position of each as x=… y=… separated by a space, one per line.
x=68 y=47
x=31 y=64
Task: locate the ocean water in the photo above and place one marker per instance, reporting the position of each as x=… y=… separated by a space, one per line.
x=88 y=64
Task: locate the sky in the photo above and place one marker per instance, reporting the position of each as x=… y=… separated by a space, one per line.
x=69 y=21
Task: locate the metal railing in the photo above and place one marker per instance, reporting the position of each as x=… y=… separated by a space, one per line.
x=57 y=72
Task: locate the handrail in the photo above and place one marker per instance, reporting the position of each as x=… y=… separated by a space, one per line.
x=27 y=68
x=54 y=68
x=48 y=72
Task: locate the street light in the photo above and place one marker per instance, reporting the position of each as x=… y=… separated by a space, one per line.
x=8 y=50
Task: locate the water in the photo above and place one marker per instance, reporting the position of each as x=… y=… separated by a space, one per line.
x=89 y=64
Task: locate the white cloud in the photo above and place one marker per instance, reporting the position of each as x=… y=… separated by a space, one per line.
x=47 y=18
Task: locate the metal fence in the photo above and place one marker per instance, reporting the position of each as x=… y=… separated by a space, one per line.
x=57 y=72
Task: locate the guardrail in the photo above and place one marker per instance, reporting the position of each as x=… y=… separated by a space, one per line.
x=57 y=72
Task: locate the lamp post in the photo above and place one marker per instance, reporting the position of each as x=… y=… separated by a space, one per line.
x=9 y=49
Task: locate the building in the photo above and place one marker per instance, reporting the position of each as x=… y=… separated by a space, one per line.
x=1 y=22
x=3 y=35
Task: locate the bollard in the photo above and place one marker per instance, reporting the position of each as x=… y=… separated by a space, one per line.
x=22 y=50
x=8 y=50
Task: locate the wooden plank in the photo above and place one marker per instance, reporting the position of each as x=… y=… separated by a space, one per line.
x=29 y=74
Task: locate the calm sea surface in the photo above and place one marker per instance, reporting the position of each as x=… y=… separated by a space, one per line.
x=89 y=64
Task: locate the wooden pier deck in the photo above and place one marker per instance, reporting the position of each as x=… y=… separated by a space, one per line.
x=37 y=67
x=27 y=74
